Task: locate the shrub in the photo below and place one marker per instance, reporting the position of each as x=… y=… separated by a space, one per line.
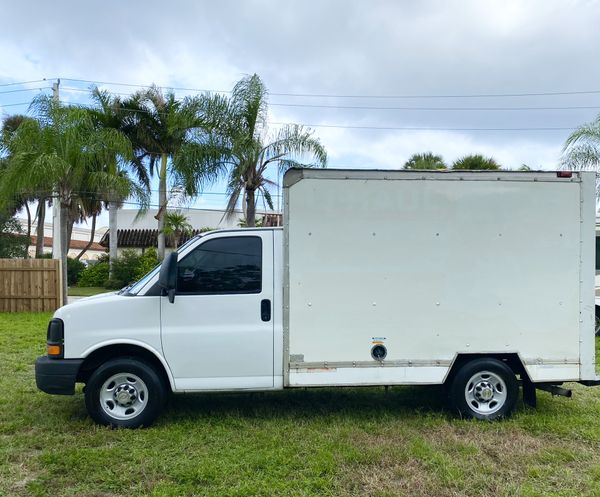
x=148 y=261
x=96 y=274
x=124 y=269
x=127 y=268
x=74 y=269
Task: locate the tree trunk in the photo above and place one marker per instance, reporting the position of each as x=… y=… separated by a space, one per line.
x=244 y=206
x=28 y=228
x=89 y=244
x=41 y=219
x=64 y=221
x=112 y=235
x=70 y=223
x=250 y=209
x=162 y=206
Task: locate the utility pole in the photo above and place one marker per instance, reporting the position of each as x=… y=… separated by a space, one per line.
x=55 y=94
x=56 y=218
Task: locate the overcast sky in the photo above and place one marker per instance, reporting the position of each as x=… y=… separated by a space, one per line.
x=347 y=48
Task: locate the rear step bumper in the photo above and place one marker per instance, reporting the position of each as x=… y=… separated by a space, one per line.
x=554 y=389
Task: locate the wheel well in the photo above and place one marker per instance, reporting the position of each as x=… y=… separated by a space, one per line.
x=513 y=361
x=100 y=356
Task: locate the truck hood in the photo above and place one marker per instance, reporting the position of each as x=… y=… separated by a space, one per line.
x=109 y=318
x=94 y=297
x=101 y=306
x=84 y=301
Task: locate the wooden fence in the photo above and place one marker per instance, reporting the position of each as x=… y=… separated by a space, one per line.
x=32 y=285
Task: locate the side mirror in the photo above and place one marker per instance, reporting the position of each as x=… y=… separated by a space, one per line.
x=167 y=278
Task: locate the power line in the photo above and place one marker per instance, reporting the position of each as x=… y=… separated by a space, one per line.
x=101 y=198
x=372 y=107
x=25 y=89
x=24 y=82
x=332 y=95
x=377 y=128
x=361 y=127
x=487 y=109
x=14 y=105
x=424 y=128
x=48 y=196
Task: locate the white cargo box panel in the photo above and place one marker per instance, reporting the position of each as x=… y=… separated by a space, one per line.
x=432 y=265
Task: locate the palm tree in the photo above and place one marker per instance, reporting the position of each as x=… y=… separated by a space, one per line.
x=63 y=150
x=177 y=225
x=582 y=148
x=9 y=126
x=427 y=160
x=167 y=133
x=581 y=151
x=476 y=161
x=110 y=112
x=241 y=148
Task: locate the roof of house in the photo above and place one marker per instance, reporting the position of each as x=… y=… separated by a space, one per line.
x=144 y=238
x=73 y=244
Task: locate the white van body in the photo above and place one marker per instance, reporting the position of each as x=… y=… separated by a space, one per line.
x=437 y=265
x=428 y=267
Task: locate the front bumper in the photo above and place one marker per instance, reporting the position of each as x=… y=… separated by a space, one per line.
x=56 y=376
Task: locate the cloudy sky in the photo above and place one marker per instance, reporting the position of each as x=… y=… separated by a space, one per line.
x=378 y=80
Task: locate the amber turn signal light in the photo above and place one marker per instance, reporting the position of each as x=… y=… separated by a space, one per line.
x=53 y=349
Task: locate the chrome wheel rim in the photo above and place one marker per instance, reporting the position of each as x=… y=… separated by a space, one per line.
x=485 y=392
x=123 y=396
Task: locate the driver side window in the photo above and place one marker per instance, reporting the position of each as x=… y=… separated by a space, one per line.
x=228 y=265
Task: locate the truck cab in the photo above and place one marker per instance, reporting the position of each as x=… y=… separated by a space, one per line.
x=217 y=328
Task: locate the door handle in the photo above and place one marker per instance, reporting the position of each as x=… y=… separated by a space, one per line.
x=265 y=310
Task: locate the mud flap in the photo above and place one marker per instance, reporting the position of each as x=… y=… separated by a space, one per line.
x=529 y=394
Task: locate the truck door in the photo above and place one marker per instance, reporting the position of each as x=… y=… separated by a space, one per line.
x=218 y=333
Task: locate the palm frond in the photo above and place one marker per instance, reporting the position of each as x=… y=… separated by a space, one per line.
x=582 y=148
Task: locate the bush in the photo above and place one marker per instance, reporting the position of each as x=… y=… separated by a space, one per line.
x=96 y=274
x=148 y=261
x=124 y=269
x=127 y=268
x=74 y=269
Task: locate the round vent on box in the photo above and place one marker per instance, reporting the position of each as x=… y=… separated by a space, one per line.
x=378 y=352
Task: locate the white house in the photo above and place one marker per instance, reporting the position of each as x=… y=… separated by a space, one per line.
x=80 y=237
x=139 y=232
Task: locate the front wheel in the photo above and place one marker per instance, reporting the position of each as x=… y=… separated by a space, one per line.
x=484 y=389
x=124 y=392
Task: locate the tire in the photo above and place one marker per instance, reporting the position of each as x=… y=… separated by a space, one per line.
x=125 y=393
x=484 y=389
x=597 y=323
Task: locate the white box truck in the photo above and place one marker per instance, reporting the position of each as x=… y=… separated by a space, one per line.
x=482 y=281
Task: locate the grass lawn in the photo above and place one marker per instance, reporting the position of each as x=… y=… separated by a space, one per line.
x=358 y=442
x=86 y=291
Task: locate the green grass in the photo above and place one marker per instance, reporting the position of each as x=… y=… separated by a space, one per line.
x=333 y=442
x=86 y=291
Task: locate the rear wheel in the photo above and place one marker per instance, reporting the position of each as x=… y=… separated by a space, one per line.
x=597 y=320
x=484 y=389
x=124 y=392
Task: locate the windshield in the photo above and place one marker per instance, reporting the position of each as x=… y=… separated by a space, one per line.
x=138 y=285
x=135 y=288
